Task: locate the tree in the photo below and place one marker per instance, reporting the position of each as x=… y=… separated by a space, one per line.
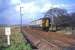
x=72 y=15
x=58 y=17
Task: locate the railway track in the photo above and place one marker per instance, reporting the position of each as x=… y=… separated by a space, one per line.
x=49 y=40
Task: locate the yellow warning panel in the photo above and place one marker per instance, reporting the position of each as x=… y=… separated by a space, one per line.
x=47 y=23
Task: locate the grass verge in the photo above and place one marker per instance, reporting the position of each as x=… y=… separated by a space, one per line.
x=17 y=42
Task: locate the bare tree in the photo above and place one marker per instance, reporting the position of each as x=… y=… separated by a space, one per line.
x=58 y=16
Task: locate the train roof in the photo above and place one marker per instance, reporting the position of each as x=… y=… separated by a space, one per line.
x=40 y=19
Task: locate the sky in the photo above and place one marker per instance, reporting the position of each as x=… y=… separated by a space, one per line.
x=30 y=9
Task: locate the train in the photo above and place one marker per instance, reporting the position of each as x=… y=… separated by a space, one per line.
x=49 y=24
x=42 y=23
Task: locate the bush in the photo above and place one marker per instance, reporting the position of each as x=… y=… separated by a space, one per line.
x=18 y=43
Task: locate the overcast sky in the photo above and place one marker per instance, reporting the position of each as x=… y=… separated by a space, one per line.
x=32 y=9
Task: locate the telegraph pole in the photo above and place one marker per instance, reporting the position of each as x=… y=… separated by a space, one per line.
x=21 y=18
